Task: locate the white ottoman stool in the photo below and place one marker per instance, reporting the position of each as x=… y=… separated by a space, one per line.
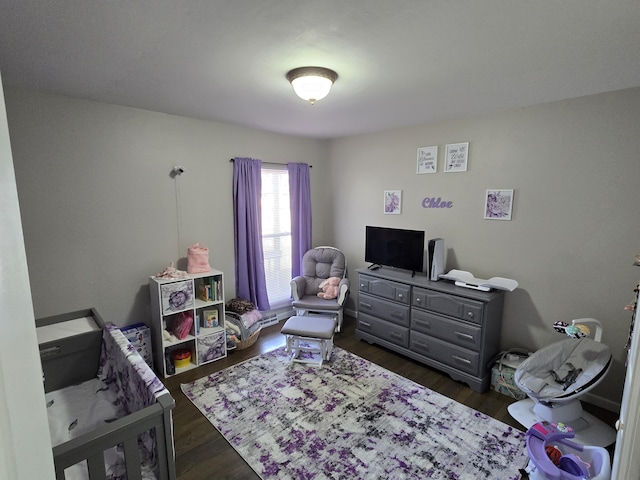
x=309 y=333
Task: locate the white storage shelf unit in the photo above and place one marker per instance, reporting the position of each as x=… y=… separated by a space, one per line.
x=198 y=295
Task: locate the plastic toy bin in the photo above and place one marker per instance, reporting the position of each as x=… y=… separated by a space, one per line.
x=573 y=462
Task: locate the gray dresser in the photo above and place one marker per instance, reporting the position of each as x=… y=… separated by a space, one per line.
x=453 y=329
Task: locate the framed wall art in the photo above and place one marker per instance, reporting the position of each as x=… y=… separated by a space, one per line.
x=427 y=160
x=393 y=202
x=498 y=204
x=456 y=157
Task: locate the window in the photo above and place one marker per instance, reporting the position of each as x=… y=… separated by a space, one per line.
x=276 y=234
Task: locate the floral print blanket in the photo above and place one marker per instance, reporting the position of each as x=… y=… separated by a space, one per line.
x=131 y=381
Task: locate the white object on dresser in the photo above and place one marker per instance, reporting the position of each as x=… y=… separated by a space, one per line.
x=466 y=279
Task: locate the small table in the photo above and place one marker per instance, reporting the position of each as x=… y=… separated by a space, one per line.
x=311 y=334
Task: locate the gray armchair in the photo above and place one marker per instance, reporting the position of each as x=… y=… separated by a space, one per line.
x=318 y=264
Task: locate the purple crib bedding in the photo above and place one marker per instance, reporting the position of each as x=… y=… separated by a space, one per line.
x=123 y=369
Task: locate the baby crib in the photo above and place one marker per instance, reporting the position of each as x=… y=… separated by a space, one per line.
x=109 y=414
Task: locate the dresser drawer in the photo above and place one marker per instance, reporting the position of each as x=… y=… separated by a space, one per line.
x=463 y=334
x=398 y=292
x=451 y=305
x=384 y=330
x=384 y=309
x=444 y=352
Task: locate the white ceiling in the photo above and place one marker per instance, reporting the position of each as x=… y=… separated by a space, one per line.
x=400 y=63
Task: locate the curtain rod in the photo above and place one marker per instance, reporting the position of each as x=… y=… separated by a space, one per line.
x=271 y=163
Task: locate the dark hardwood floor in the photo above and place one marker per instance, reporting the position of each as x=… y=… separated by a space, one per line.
x=203 y=454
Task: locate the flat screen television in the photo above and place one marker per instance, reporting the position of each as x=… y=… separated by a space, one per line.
x=394 y=247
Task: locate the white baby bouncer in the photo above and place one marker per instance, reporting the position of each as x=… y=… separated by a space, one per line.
x=555 y=376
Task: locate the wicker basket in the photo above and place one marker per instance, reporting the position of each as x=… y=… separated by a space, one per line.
x=253 y=338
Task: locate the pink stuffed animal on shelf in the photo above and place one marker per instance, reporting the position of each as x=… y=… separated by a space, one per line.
x=329 y=288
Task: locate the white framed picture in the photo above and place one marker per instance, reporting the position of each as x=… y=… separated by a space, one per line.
x=456 y=157
x=498 y=204
x=393 y=202
x=427 y=159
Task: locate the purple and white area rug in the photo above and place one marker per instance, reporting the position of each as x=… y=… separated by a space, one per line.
x=351 y=419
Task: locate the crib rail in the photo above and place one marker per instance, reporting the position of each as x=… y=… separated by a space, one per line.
x=124 y=431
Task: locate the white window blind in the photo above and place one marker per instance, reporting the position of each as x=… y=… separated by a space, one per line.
x=276 y=234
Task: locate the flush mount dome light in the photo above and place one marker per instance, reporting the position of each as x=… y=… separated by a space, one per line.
x=312 y=83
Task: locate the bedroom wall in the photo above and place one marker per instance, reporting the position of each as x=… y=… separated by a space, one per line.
x=100 y=211
x=575 y=168
x=25 y=448
x=99 y=208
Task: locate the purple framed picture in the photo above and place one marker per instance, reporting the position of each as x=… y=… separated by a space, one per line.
x=498 y=204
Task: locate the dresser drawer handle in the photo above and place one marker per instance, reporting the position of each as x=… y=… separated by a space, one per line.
x=397 y=315
x=418 y=300
x=470 y=314
x=423 y=323
x=464 y=335
x=421 y=345
x=460 y=359
x=47 y=352
x=363 y=304
x=395 y=335
x=400 y=296
x=365 y=324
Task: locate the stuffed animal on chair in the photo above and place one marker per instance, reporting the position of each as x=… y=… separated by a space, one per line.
x=329 y=288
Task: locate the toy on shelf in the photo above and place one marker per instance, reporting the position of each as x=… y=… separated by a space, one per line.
x=555 y=457
x=171 y=272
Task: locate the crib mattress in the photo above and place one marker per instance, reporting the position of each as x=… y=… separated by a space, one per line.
x=79 y=409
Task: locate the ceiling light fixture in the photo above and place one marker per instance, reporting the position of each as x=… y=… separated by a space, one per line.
x=312 y=83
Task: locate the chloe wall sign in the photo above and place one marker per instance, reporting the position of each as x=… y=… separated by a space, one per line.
x=433 y=202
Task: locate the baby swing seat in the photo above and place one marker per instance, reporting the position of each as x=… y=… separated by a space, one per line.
x=555 y=376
